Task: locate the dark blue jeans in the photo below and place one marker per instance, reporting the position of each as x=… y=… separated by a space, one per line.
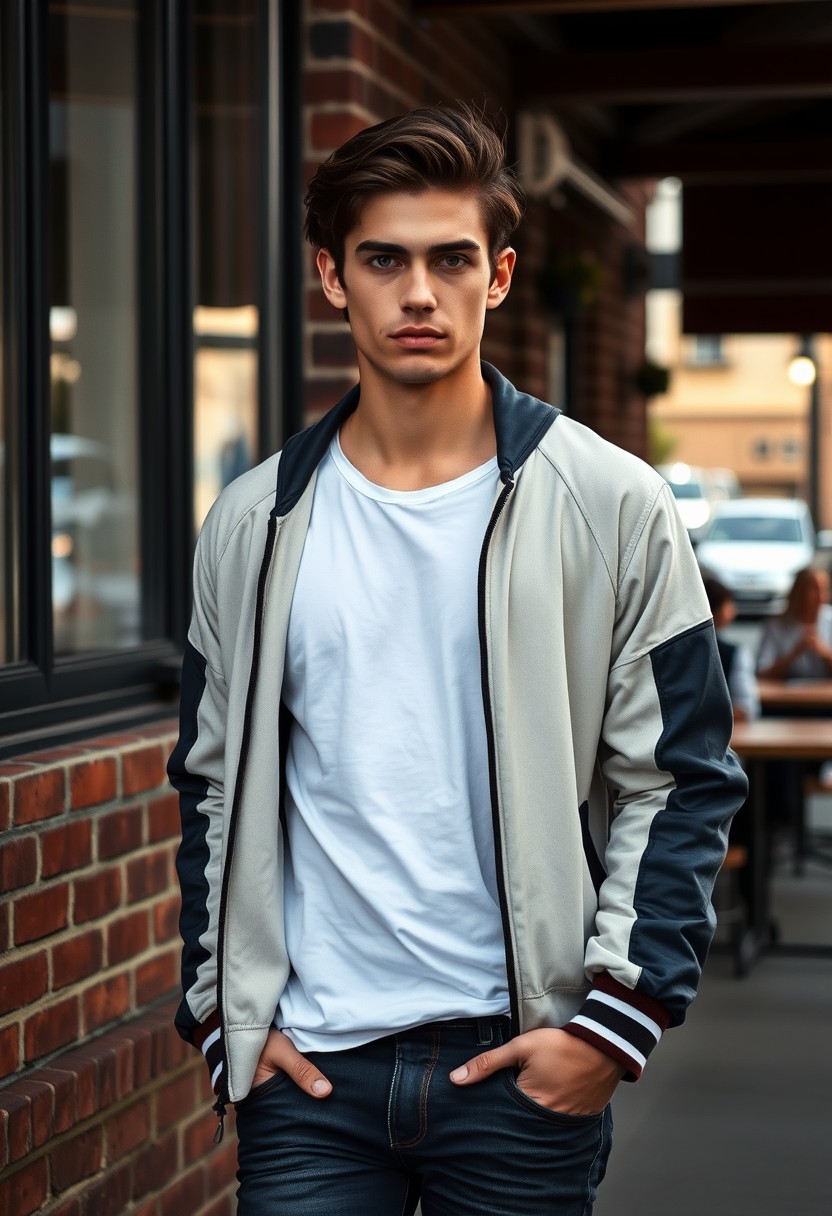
x=395 y=1130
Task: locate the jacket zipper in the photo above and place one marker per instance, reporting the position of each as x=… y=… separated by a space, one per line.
x=223 y=1098
x=492 y=757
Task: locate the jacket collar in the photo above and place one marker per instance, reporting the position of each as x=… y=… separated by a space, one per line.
x=520 y=422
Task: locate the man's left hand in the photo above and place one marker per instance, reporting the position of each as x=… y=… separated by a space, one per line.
x=557 y=1070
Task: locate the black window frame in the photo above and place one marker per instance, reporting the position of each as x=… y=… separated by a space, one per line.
x=46 y=700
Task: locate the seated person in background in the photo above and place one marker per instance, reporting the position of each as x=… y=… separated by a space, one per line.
x=798 y=644
x=737 y=662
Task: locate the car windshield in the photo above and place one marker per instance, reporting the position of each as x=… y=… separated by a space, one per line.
x=761 y=529
x=686 y=489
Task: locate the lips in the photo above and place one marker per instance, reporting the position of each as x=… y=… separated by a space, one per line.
x=417 y=339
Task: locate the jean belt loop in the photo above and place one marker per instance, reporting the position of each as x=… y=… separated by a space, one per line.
x=485 y=1034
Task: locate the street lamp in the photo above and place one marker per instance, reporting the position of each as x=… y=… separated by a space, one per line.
x=803 y=371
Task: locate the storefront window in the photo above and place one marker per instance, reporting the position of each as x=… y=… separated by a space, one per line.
x=93 y=320
x=227 y=185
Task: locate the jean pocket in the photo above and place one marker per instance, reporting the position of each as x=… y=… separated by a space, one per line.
x=265 y=1087
x=554 y=1116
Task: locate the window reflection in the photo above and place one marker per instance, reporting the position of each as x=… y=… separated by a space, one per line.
x=93 y=325
x=226 y=130
x=225 y=389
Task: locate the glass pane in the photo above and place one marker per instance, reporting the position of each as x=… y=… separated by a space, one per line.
x=93 y=324
x=6 y=569
x=226 y=192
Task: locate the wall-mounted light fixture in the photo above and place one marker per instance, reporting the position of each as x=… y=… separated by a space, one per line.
x=802 y=369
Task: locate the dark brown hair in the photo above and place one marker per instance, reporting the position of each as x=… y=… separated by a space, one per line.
x=445 y=147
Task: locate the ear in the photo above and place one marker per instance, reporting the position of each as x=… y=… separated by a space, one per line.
x=330 y=282
x=501 y=282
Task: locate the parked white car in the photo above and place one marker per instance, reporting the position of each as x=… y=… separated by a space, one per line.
x=755 y=546
x=693 y=495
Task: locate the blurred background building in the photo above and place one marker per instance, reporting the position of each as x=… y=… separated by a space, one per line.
x=161 y=329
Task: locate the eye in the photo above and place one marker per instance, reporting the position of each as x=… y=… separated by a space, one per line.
x=454 y=261
x=383 y=261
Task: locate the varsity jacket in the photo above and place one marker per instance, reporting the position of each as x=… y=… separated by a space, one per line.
x=607 y=720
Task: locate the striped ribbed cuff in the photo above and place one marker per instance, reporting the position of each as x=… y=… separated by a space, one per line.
x=208 y=1038
x=625 y=1025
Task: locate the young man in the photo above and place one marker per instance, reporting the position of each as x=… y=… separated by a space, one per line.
x=453 y=763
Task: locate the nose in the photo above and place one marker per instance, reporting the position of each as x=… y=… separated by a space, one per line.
x=417 y=290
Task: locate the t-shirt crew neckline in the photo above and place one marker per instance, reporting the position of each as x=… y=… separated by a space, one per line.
x=371 y=489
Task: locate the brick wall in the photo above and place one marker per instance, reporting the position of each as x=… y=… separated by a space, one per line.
x=103 y=1109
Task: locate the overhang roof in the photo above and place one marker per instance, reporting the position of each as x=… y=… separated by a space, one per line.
x=707 y=90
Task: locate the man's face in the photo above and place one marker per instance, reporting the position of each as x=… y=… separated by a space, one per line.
x=417 y=283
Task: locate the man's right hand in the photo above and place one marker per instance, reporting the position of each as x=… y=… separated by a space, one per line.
x=281 y=1055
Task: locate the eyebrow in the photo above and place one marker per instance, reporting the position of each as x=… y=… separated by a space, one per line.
x=445 y=247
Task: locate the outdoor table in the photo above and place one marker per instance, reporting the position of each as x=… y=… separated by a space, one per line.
x=796 y=696
x=759 y=743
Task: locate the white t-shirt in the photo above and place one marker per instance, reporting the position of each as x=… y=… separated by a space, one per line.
x=391 y=907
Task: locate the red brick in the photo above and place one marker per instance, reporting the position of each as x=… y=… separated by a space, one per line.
x=39 y=796
x=111 y=1195
x=62 y=1085
x=155 y=1164
x=332 y=84
x=9 y=1051
x=329 y=130
x=18 y=863
x=128 y=1129
x=156 y=977
x=50 y=1029
x=332 y=349
x=142 y=769
x=22 y=982
x=147 y=875
x=120 y=832
x=81 y=1069
x=185 y=1195
x=127 y=937
x=222 y=1164
x=26 y=1191
x=92 y=782
x=140 y=1040
x=5 y=926
x=76 y=1159
x=199 y=1136
x=5 y=805
x=68 y=847
x=166 y=919
x=77 y=958
x=163 y=820
x=18 y=1124
x=97 y=895
x=41 y=1098
x=220 y=1207
x=176 y=1101
x=105 y=1002
x=117 y=1046
x=72 y=1208
x=151 y=1208
x=41 y=913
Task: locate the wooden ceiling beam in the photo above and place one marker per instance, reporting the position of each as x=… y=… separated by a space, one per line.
x=723 y=161
x=467 y=8
x=719 y=73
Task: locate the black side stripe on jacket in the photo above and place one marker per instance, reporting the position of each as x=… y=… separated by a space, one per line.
x=192 y=857
x=672 y=903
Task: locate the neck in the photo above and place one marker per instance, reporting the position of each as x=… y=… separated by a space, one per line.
x=409 y=436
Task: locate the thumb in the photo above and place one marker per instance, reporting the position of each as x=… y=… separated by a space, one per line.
x=484 y=1065
x=285 y=1056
